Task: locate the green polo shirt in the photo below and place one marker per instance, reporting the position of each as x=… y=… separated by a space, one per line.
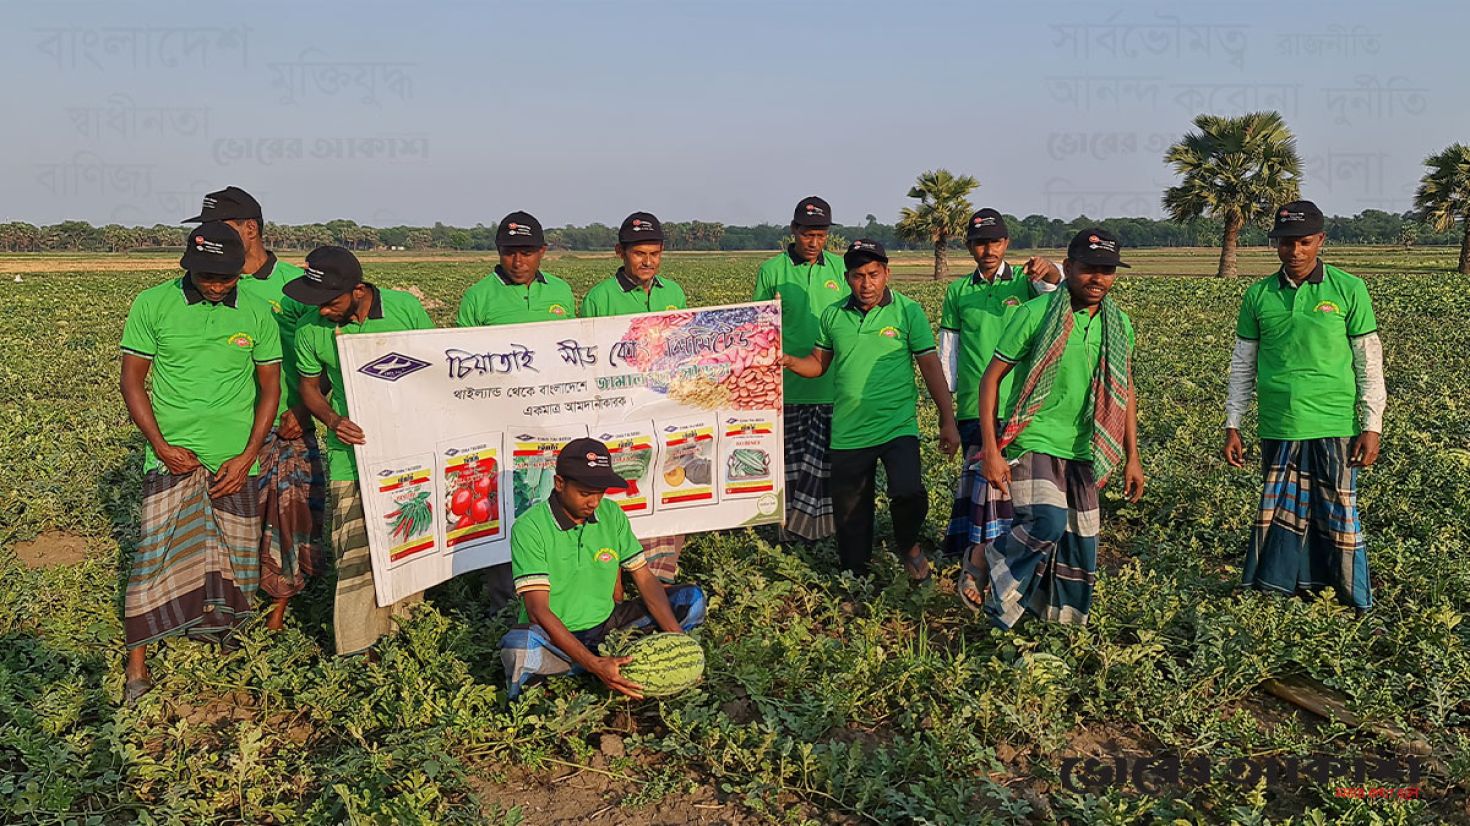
x=578 y=564
x=874 y=398
x=978 y=310
x=204 y=357
x=316 y=351
x=1304 y=369
x=621 y=295
x=805 y=289
x=495 y=299
x=266 y=284
x=1063 y=425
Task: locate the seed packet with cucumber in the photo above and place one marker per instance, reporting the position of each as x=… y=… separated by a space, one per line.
x=749 y=443
x=533 y=462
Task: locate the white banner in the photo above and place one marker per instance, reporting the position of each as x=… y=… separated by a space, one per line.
x=463 y=426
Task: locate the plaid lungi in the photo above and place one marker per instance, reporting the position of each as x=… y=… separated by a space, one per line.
x=808 y=433
x=661 y=553
x=1308 y=535
x=1046 y=564
x=357 y=620
x=980 y=512
x=292 y=486
x=527 y=653
x=197 y=564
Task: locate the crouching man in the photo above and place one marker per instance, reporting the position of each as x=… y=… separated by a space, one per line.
x=565 y=556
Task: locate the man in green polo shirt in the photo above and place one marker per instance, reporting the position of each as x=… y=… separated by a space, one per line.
x=347 y=305
x=870 y=341
x=213 y=355
x=1072 y=422
x=567 y=553
x=1307 y=343
x=638 y=288
x=517 y=291
x=292 y=481
x=975 y=312
x=806 y=279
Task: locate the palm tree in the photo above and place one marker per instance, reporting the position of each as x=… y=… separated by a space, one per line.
x=944 y=207
x=1235 y=169
x=1443 y=196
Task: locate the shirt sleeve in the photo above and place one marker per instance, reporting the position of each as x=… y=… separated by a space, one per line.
x=824 y=330
x=308 y=362
x=592 y=304
x=1242 y=381
x=949 y=314
x=465 y=316
x=1247 y=324
x=921 y=338
x=139 y=337
x=1360 y=319
x=1368 y=370
x=1040 y=286
x=765 y=289
x=630 y=550
x=1015 y=342
x=949 y=357
x=419 y=317
x=267 y=348
x=528 y=557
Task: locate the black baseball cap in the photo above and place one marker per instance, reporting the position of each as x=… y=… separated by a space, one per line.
x=1096 y=246
x=1296 y=220
x=330 y=272
x=639 y=228
x=213 y=248
x=587 y=461
x=987 y=225
x=519 y=229
x=228 y=204
x=812 y=211
x=862 y=251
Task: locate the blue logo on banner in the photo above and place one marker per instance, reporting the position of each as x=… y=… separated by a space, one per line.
x=392 y=367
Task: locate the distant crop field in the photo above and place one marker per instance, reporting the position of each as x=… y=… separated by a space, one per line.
x=827 y=699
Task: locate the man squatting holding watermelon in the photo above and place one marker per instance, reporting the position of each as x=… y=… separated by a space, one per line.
x=565 y=555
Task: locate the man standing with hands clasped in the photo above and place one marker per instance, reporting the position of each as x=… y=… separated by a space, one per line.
x=1306 y=339
x=870 y=341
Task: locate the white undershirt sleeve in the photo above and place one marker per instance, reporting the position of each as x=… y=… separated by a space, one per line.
x=1242 y=381
x=1044 y=287
x=949 y=355
x=1372 y=392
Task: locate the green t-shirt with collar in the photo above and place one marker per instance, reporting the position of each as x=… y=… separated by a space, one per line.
x=874 y=397
x=621 y=295
x=316 y=351
x=578 y=564
x=978 y=310
x=1304 y=368
x=495 y=300
x=203 y=358
x=1063 y=426
x=805 y=289
x=268 y=284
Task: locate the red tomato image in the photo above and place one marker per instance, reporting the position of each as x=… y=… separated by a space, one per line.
x=461 y=502
x=480 y=510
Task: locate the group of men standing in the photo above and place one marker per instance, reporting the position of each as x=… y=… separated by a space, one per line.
x=1031 y=373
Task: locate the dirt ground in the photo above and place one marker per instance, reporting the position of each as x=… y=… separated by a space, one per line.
x=52 y=549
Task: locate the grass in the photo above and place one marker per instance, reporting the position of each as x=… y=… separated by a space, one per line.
x=828 y=699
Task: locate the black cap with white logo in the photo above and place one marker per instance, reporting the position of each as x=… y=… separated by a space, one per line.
x=519 y=229
x=862 y=251
x=987 y=225
x=1296 y=220
x=812 y=211
x=639 y=228
x=213 y=248
x=228 y=204
x=587 y=461
x=330 y=272
x=1096 y=247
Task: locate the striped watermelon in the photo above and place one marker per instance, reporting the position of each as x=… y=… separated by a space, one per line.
x=664 y=663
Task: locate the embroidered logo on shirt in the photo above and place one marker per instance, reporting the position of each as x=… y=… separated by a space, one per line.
x=1328 y=307
x=831 y=285
x=606 y=555
x=1013 y=302
x=242 y=340
x=889 y=332
x=557 y=309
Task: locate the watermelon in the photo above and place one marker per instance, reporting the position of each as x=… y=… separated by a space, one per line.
x=664 y=663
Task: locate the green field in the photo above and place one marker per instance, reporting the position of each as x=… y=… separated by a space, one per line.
x=828 y=699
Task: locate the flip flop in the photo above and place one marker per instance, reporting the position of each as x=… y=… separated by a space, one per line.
x=133 y=690
x=907 y=566
x=971 y=570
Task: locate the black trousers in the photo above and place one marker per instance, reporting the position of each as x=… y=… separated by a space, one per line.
x=854 y=473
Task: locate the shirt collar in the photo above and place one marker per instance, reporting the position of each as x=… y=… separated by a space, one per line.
x=852 y=300
x=802 y=262
x=629 y=284
x=1003 y=274
x=563 y=519
x=375 y=311
x=267 y=268
x=1314 y=278
x=505 y=279
x=192 y=295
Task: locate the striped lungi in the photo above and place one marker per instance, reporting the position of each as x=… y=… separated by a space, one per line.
x=1307 y=534
x=197 y=564
x=1046 y=564
x=808 y=432
x=980 y=512
x=292 y=486
x=357 y=620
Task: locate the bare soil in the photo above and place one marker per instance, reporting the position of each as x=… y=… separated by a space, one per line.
x=52 y=549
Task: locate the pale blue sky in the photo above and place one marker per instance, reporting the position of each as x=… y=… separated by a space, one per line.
x=393 y=113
